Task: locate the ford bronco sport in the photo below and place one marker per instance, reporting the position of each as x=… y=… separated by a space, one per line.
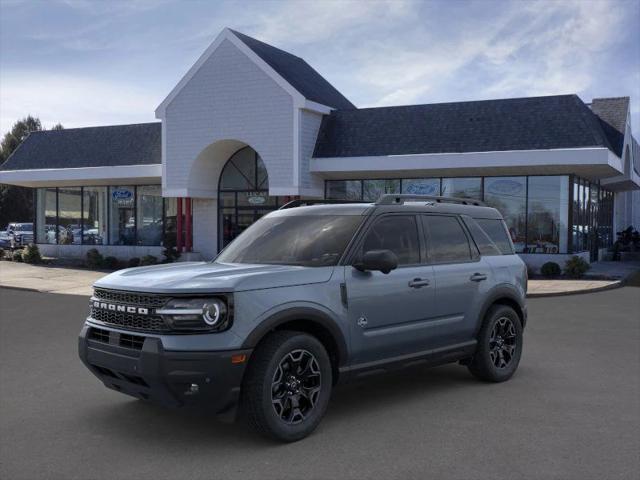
x=310 y=295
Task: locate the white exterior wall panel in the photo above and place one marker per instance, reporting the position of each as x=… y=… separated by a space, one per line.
x=310 y=184
x=229 y=98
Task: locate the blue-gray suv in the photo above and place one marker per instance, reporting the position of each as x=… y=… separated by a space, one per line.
x=309 y=296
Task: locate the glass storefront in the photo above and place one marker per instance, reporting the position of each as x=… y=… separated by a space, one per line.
x=47 y=215
x=509 y=196
x=69 y=216
x=122 y=220
x=116 y=215
x=94 y=213
x=535 y=208
x=149 y=215
x=547 y=214
x=462 y=187
x=243 y=194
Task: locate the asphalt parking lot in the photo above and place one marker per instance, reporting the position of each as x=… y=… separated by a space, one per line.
x=571 y=412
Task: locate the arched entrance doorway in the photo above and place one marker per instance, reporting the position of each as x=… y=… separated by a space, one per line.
x=243 y=194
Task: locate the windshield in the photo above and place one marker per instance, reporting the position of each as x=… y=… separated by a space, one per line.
x=307 y=240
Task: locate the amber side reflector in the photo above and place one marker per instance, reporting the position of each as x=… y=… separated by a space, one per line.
x=238 y=358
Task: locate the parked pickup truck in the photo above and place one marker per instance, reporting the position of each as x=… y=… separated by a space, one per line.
x=309 y=296
x=19 y=235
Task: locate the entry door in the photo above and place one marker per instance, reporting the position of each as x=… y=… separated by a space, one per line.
x=389 y=314
x=461 y=278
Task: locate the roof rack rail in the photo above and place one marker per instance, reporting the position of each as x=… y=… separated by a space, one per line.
x=400 y=199
x=316 y=201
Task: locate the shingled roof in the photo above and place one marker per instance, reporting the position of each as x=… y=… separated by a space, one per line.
x=298 y=73
x=533 y=123
x=612 y=113
x=108 y=146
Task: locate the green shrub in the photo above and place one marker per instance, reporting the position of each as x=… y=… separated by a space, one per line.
x=550 y=269
x=576 y=267
x=31 y=254
x=148 y=260
x=94 y=258
x=17 y=256
x=133 y=262
x=1 y=253
x=110 y=263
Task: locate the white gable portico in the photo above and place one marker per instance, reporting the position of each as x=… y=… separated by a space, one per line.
x=229 y=99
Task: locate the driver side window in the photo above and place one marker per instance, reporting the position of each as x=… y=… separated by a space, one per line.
x=398 y=233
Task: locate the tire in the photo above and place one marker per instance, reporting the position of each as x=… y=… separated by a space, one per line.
x=270 y=392
x=499 y=345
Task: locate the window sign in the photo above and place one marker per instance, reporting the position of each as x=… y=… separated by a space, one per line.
x=421 y=186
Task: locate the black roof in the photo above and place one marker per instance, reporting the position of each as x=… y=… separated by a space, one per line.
x=298 y=73
x=108 y=146
x=612 y=113
x=533 y=123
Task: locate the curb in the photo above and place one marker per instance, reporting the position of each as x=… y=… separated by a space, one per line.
x=613 y=286
x=25 y=289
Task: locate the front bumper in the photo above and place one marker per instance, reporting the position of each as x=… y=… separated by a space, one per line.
x=138 y=365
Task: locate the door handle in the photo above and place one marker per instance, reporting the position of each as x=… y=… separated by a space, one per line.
x=478 y=277
x=418 y=282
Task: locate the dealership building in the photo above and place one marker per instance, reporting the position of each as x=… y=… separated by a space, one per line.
x=250 y=127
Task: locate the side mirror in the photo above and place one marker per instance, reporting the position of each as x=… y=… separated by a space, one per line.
x=382 y=260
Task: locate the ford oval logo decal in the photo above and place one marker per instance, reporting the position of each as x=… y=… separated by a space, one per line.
x=505 y=187
x=122 y=194
x=423 y=189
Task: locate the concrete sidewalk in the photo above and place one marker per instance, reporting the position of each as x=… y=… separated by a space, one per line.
x=75 y=281
x=552 y=288
x=47 y=279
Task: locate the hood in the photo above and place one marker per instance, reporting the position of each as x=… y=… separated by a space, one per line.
x=206 y=277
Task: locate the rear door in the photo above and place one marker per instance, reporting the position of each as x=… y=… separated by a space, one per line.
x=389 y=314
x=462 y=277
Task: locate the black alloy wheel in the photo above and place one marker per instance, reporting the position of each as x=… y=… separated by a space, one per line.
x=499 y=345
x=287 y=386
x=502 y=343
x=296 y=386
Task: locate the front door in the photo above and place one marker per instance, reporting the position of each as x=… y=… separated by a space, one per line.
x=390 y=314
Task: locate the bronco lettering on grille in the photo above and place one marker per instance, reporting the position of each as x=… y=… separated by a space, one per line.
x=120 y=308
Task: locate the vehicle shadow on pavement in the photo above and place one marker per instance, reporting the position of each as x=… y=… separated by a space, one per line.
x=362 y=400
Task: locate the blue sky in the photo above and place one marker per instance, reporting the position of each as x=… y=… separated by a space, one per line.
x=84 y=63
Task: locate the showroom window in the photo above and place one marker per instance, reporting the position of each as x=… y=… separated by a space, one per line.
x=70 y=216
x=149 y=215
x=117 y=215
x=94 y=215
x=462 y=187
x=535 y=208
x=547 y=216
x=46 y=215
x=509 y=196
x=122 y=219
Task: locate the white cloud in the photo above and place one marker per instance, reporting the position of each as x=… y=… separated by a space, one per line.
x=73 y=101
x=306 y=22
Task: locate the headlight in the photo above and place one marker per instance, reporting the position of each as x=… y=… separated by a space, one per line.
x=196 y=314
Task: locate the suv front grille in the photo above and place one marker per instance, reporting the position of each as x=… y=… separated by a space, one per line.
x=130 y=298
x=132 y=321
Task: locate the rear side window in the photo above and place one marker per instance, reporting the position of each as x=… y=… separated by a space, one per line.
x=481 y=238
x=447 y=241
x=497 y=232
x=397 y=233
